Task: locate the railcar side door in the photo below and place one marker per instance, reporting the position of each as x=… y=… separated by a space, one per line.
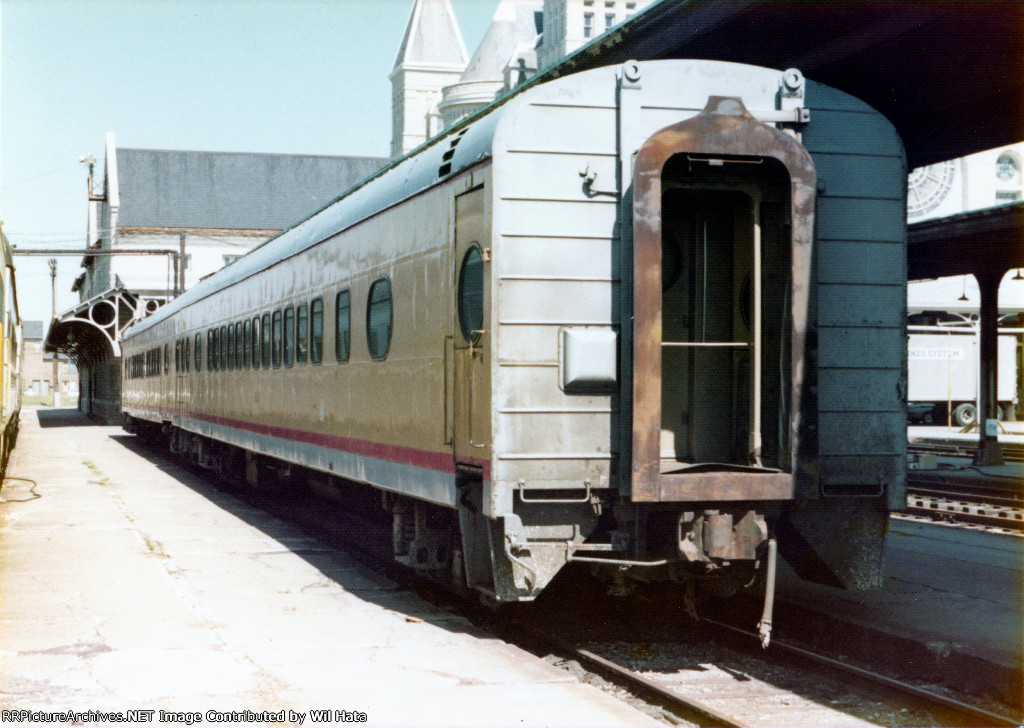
x=471 y=340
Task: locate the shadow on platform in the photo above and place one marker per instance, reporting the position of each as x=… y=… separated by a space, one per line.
x=62 y=417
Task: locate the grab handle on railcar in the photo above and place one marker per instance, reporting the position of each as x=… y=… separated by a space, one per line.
x=524 y=499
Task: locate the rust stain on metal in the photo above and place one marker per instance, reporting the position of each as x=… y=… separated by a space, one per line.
x=726 y=128
x=725 y=485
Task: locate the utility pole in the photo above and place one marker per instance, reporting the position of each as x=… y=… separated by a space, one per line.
x=53 y=293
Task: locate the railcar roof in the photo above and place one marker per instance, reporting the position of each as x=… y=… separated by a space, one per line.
x=399 y=181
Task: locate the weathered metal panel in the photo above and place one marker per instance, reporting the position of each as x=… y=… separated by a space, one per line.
x=530 y=345
x=859 y=219
x=861 y=304
x=860 y=176
x=556 y=219
x=844 y=347
x=852 y=432
x=725 y=486
x=580 y=302
x=875 y=389
x=541 y=175
x=848 y=127
x=535 y=387
x=869 y=473
x=559 y=435
x=554 y=258
x=859 y=262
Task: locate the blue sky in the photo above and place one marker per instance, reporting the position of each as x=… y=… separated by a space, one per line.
x=278 y=76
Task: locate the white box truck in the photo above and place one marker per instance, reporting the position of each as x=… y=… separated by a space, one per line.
x=942 y=374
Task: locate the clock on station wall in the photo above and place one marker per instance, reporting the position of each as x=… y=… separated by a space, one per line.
x=928 y=186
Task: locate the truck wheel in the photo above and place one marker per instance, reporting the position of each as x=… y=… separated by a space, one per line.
x=965 y=414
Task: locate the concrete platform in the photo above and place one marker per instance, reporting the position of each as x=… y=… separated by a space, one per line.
x=125 y=585
x=1011 y=435
x=951 y=610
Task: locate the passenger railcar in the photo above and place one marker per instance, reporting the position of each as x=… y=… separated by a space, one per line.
x=647 y=317
x=11 y=356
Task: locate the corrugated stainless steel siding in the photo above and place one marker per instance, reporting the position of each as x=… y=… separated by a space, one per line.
x=558 y=252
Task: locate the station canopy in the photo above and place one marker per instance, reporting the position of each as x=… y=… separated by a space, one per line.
x=946 y=74
x=91 y=331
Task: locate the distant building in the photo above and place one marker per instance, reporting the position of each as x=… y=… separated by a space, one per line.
x=506 y=57
x=948 y=189
x=434 y=85
x=982 y=180
x=37 y=372
x=571 y=24
x=432 y=55
x=153 y=203
x=217 y=204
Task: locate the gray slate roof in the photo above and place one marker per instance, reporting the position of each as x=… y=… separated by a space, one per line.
x=32 y=330
x=229 y=190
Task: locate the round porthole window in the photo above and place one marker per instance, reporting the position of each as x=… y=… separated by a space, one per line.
x=471 y=293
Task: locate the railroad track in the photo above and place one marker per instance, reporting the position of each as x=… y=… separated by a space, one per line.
x=940 y=484
x=746 y=694
x=995 y=502
x=1012 y=452
x=963 y=511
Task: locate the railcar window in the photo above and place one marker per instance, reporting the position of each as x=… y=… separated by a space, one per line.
x=471 y=293
x=239 y=346
x=289 y=336
x=316 y=331
x=231 y=347
x=199 y=352
x=185 y=352
x=342 y=325
x=378 y=318
x=177 y=355
x=246 y=343
x=167 y=358
x=301 y=334
x=211 y=351
x=275 y=336
x=266 y=341
x=256 y=342
x=222 y=348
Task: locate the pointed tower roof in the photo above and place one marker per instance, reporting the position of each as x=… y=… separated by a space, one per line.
x=432 y=37
x=514 y=25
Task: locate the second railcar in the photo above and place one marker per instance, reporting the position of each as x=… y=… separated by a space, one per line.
x=647 y=317
x=12 y=355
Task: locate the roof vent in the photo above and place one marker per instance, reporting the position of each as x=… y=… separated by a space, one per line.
x=446 y=158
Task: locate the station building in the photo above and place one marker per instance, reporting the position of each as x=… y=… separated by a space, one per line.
x=965 y=192
x=160 y=221
x=37 y=366
x=435 y=83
